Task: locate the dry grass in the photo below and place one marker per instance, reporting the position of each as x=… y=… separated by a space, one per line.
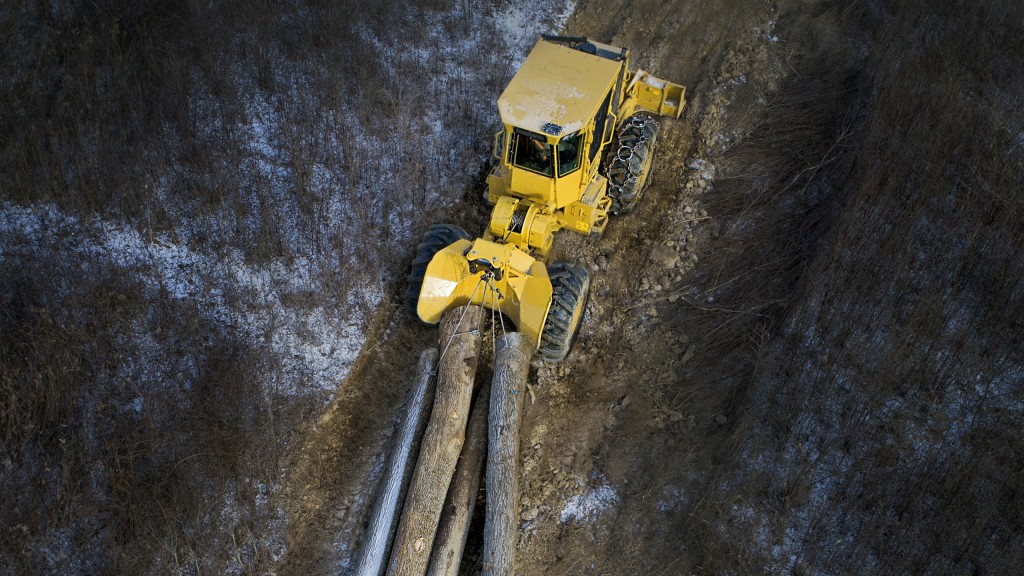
x=864 y=333
x=867 y=292
x=248 y=122
x=139 y=433
x=125 y=426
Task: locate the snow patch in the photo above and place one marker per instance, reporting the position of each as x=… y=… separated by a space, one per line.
x=671 y=498
x=590 y=505
x=520 y=24
x=315 y=345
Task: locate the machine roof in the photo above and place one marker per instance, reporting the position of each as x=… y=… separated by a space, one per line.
x=557 y=89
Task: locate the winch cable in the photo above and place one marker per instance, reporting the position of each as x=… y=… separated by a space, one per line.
x=459 y=325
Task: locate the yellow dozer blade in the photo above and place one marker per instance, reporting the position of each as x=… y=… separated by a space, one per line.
x=497 y=276
x=656 y=95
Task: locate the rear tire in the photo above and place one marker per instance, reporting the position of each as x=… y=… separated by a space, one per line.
x=437 y=238
x=627 y=164
x=570 y=288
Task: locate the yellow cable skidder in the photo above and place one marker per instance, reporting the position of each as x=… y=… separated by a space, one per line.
x=576 y=145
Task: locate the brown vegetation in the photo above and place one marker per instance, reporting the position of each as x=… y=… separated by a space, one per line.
x=125 y=426
x=858 y=316
x=867 y=292
x=140 y=429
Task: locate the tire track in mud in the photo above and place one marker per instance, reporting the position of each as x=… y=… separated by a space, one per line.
x=596 y=440
x=596 y=423
x=337 y=464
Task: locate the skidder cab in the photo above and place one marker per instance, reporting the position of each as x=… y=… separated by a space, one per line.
x=575 y=146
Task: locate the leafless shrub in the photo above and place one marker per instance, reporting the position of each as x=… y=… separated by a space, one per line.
x=862 y=315
x=131 y=432
x=139 y=434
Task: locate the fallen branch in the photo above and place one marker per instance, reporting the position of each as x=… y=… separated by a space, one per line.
x=511 y=368
x=442 y=443
x=458 y=509
x=396 y=479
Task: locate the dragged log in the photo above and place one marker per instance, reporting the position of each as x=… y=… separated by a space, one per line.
x=384 y=519
x=442 y=442
x=511 y=368
x=458 y=508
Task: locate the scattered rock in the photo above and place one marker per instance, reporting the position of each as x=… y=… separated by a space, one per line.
x=664 y=255
x=602 y=262
x=688 y=355
x=721 y=420
x=623 y=402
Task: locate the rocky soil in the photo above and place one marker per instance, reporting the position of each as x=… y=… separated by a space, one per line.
x=605 y=432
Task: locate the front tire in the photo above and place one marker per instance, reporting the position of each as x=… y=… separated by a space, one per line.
x=570 y=288
x=437 y=238
x=628 y=164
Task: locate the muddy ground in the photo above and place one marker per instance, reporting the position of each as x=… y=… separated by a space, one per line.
x=610 y=435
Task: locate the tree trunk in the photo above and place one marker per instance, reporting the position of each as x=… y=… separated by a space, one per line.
x=374 y=554
x=458 y=509
x=442 y=443
x=511 y=368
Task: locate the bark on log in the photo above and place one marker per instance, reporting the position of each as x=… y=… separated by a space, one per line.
x=511 y=368
x=458 y=509
x=442 y=443
x=384 y=519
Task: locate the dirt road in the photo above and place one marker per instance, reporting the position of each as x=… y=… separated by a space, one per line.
x=611 y=435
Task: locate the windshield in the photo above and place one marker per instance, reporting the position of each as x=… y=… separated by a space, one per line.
x=532 y=153
x=536 y=155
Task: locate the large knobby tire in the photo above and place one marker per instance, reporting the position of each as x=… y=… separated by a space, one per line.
x=570 y=287
x=628 y=162
x=439 y=236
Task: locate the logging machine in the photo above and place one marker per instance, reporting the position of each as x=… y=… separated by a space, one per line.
x=575 y=146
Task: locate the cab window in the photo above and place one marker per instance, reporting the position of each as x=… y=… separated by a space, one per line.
x=599 y=127
x=568 y=150
x=532 y=152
